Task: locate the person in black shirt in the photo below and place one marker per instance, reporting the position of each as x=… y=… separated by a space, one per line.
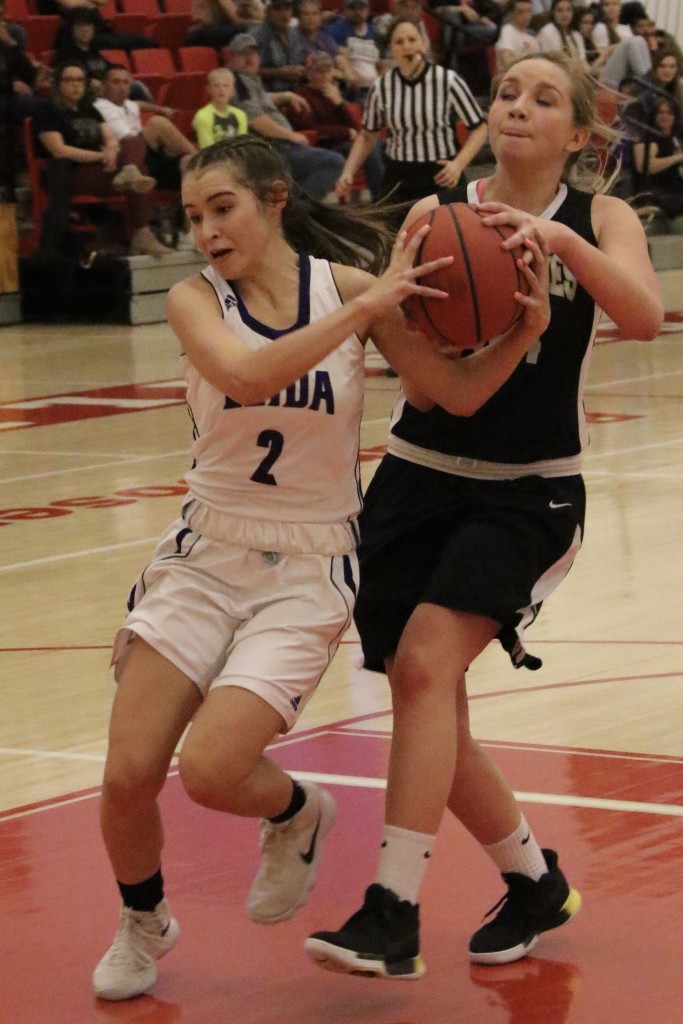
x=82 y=156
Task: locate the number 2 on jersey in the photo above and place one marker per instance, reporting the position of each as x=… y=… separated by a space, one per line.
x=274 y=442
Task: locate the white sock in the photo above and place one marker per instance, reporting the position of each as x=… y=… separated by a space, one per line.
x=519 y=853
x=403 y=861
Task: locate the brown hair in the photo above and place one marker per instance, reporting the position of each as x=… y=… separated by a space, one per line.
x=358 y=238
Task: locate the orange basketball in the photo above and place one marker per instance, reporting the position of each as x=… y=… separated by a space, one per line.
x=481 y=281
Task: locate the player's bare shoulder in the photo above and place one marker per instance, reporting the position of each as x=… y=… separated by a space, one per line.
x=609 y=213
x=193 y=296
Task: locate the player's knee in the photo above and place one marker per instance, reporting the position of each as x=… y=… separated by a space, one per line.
x=209 y=779
x=416 y=675
x=130 y=780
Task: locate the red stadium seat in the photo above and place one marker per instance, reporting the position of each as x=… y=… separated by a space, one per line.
x=153 y=62
x=170 y=30
x=117 y=57
x=197 y=58
x=41 y=32
x=149 y=7
x=185 y=91
x=177 y=6
x=17 y=10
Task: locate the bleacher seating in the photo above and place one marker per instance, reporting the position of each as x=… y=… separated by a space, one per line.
x=41 y=32
x=170 y=30
x=197 y=58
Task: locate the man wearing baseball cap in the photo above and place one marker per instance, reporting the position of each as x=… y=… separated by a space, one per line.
x=313 y=168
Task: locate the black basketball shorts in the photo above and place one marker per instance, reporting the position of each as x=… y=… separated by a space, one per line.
x=488 y=547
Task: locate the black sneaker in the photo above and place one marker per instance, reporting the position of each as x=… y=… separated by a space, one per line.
x=382 y=939
x=528 y=908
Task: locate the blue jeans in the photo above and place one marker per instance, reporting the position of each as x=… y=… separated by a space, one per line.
x=314 y=169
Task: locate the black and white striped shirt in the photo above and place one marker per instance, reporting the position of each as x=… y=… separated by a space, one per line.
x=420 y=114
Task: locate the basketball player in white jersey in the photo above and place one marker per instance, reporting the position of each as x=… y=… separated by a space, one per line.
x=233 y=623
x=470 y=523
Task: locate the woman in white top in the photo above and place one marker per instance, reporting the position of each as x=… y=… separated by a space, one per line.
x=515 y=39
x=609 y=31
x=558 y=36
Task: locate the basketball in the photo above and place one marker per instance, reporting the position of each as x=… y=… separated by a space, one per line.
x=481 y=281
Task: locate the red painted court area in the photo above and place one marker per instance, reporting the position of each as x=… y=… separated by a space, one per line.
x=615 y=818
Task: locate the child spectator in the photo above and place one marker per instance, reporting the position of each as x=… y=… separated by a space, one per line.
x=219 y=119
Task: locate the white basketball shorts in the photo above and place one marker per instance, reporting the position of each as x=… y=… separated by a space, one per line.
x=231 y=616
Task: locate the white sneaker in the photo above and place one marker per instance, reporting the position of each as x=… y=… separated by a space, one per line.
x=131 y=179
x=145 y=243
x=128 y=968
x=290 y=857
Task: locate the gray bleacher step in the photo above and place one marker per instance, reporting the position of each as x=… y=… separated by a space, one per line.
x=666 y=251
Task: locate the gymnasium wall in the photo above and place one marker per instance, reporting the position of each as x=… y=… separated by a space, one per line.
x=668 y=14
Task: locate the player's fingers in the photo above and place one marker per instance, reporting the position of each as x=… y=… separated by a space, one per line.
x=427 y=268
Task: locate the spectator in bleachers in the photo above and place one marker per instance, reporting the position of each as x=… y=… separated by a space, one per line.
x=584 y=23
x=11 y=32
x=355 y=36
x=105 y=36
x=83 y=156
x=80 y=45
x=216 y=22
x=559 y=36
x=19 y=84
x=165 y=148
x=632 y=57
x=313 y=168
x=314 y=37
x=280 y=48
x=608 y=31
x=471 y=23
x=250 y=12
x=515 y=39
x=332 y=118
x=658 y=160
x=219 y=119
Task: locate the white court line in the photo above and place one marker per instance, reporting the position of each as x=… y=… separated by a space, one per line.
x=47 y=755
x=78 y=554
x=359 y=782
x=120 y=463
x=633 y=380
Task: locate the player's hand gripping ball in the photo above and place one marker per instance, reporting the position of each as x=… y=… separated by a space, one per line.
x=481 y=281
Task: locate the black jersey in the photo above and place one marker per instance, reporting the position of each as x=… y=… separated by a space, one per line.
x=535 y=423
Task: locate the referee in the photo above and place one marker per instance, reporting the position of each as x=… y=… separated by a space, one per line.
x=419 y=104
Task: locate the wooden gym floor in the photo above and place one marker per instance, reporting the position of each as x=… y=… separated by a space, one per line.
x=93 y=448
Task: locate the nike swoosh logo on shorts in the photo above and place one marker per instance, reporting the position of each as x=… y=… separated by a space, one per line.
x=526 y=839
x=559 y=504
x=308 y=856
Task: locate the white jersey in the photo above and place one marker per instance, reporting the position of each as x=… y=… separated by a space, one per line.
x=283 y=475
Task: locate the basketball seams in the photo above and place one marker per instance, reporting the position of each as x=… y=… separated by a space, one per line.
x=518 y=277
x=468 y=268
x=421 y=298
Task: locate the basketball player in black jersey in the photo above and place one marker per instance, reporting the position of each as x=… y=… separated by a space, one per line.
x=469 y=520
